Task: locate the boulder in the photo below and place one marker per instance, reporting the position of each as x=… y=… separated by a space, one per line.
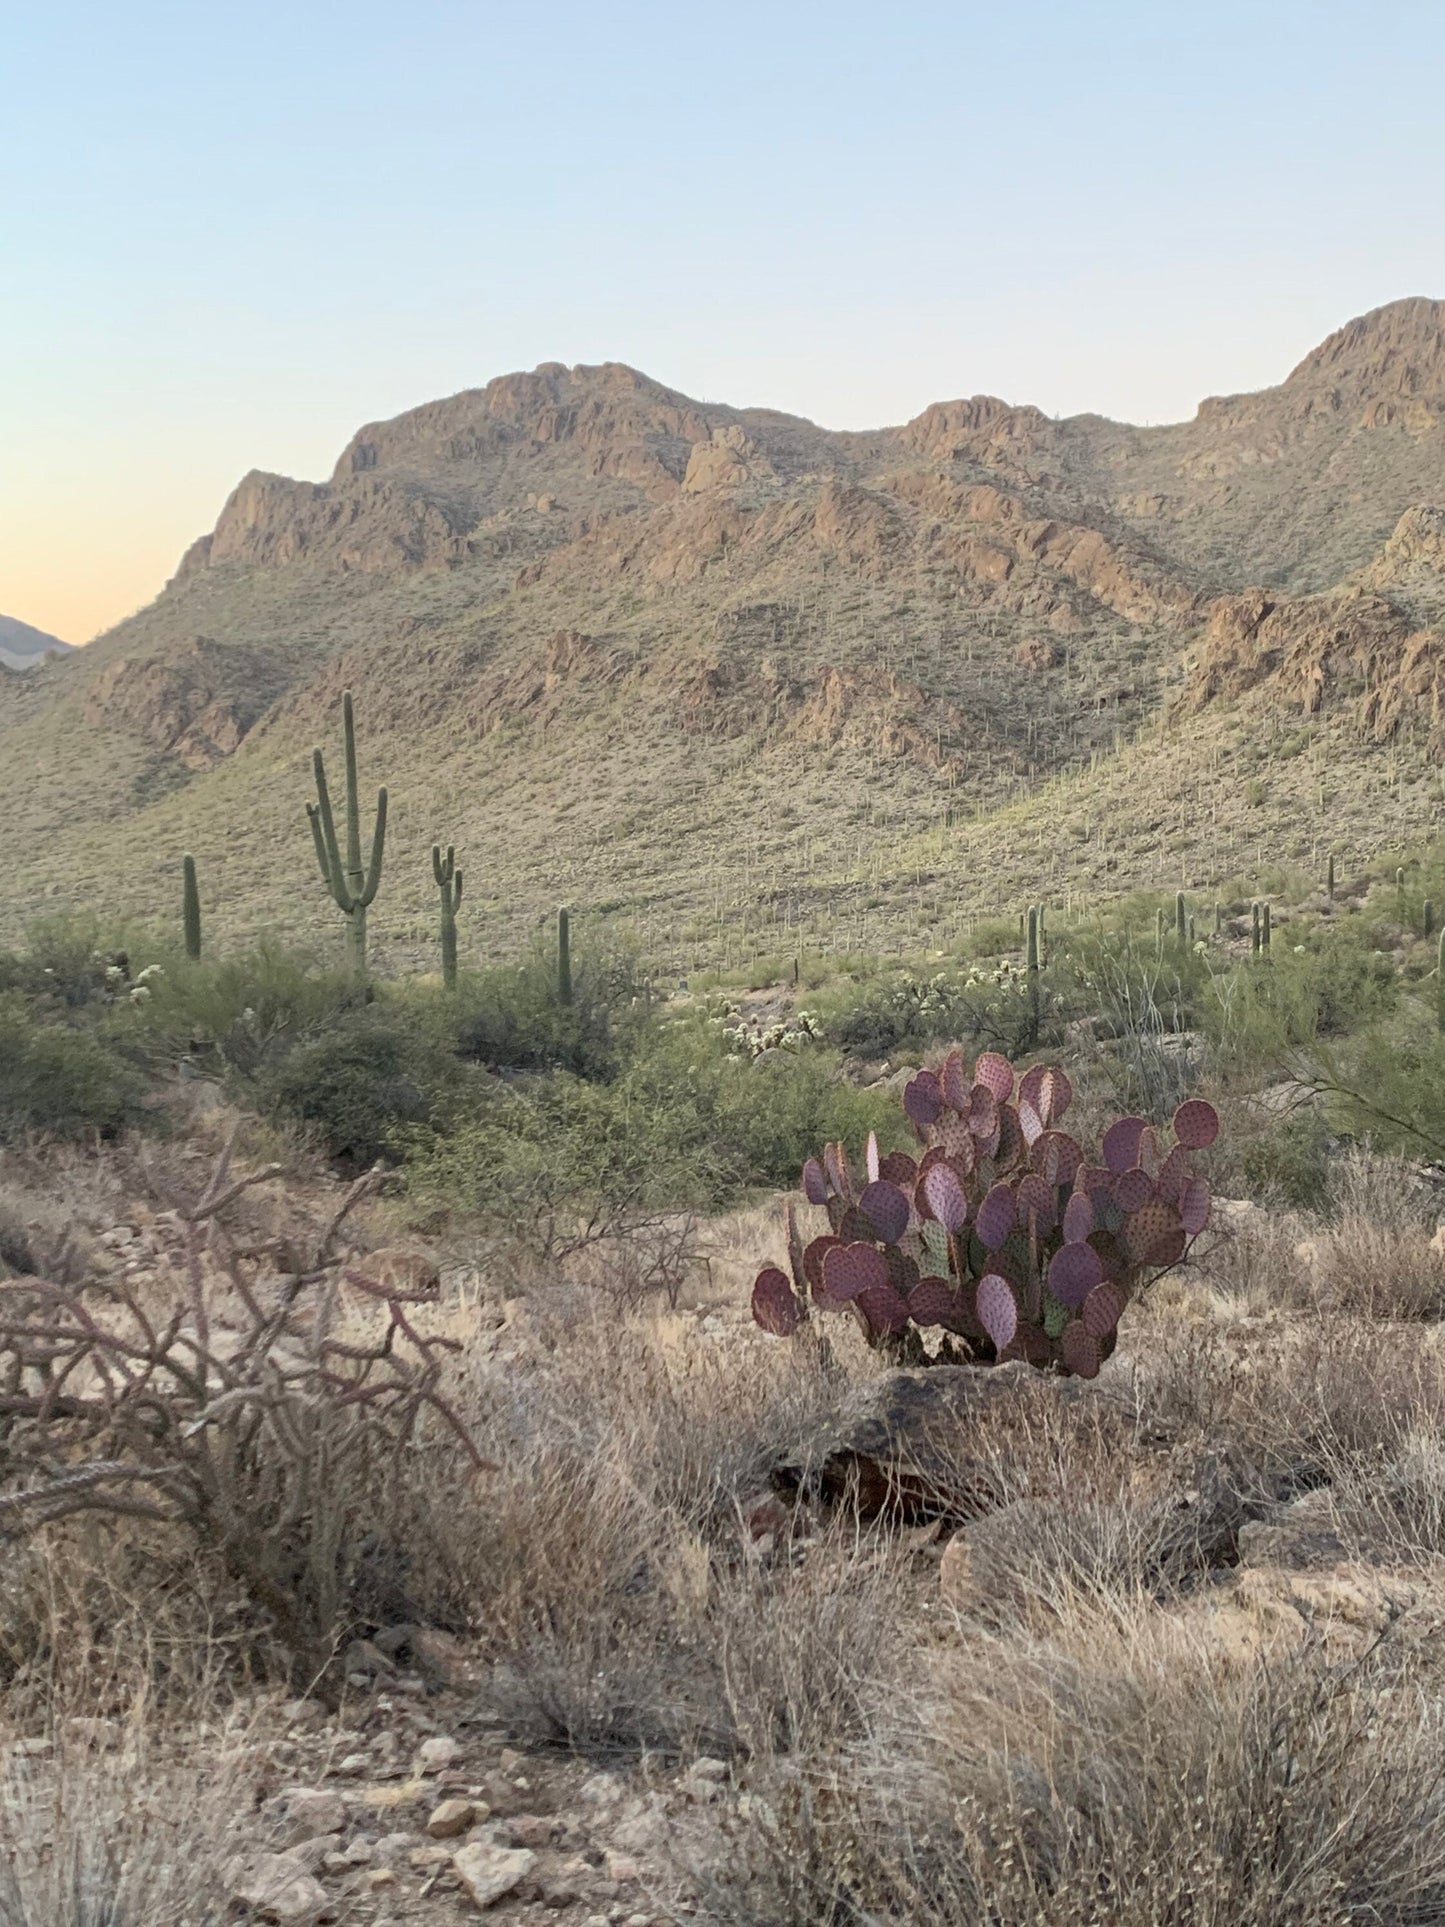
x=906 y=1445
x=487 y=1871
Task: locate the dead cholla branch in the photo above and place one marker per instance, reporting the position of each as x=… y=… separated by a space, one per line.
x=231 y=1405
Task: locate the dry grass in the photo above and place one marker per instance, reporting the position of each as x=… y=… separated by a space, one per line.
x=123 y=1823
x=1122 y=1773
x=1071 y=1743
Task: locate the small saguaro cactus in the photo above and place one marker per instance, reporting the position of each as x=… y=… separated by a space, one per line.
x=449 y=885
x=1181 y=917
x=564 y=957
x=1429 y=918
x=1159 y=930
x=1033 y=943
x=1218 y=918
x=1330 y=879
x=352 y=885
x=1264 y=927
x=1254 y=928
x=1440 y=980
x=191 y=908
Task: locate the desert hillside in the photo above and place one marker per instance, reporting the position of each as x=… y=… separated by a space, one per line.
x=748 y=680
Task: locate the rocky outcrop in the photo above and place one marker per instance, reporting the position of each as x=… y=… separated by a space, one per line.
x=195 y=704
x=1312 y=654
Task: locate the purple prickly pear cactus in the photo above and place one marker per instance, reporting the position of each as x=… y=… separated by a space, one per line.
x=1002 y=1237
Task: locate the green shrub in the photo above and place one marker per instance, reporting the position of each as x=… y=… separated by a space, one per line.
x=359 y=1084
x=510 y=1018
x=59 y=1080
x=243 y=1015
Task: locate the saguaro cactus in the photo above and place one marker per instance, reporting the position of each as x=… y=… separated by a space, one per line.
x=191 y=908
x=1181 y=917
x=449 y=886
x=1254 y=928
x=1264 y=927
x=1033 y=943
x=352 y=884
x=564 y=957
x=1330 y=879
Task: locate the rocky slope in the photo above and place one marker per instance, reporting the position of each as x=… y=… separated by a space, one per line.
x=754 y=682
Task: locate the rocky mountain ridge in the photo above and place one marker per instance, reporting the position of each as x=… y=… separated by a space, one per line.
x=646 y=633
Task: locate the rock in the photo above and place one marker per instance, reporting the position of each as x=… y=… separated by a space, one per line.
x=451 y=1818
x=901 y=1446
x=437 y=1754
x=363 y=1662
x=487 y=1872
x=278 y=1888
x=1298 y=1537
x=704 y=1781
x=565 y=1883
x=394 y=1847
x=621 y=1868
x=354 y=1763
x=307 y=1812
x=532 y=1829
x=396 y=1793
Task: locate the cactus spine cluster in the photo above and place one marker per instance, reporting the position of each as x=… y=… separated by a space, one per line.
x=564 y=957
x=352 y=884
x=191 y=908
x=449 y=886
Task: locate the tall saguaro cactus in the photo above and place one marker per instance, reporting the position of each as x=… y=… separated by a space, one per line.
x=191 y=908
x=564 y=957
x=449 y=885
x=352 y=884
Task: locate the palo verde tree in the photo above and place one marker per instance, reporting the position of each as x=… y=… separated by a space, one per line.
x=352 y=884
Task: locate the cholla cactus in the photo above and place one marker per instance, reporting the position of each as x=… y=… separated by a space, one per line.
x=1000 y=1233
x=749 y=1041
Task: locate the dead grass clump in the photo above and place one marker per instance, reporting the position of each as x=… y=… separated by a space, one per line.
x=105 y=1824
x=1124 y=1774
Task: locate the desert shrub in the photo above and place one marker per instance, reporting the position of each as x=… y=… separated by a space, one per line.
x=558 y=1159
x=59 y=1080
x=239 y=1016
x=359 y=1083
x=1029 y=1788
x=1279 y=1159
x=995 y=1003
x=510 y=1018
x=1262 y=1014
x=66 y=962
x=141 y=1833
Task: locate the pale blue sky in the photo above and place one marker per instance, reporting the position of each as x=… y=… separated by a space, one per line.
x=231 y=233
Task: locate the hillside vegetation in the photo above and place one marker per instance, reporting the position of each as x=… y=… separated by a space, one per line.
x=758 y=685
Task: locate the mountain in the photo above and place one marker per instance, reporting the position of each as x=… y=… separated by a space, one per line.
x=753 y=682
x=21 y=647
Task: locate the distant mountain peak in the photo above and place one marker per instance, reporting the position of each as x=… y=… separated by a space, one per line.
x=1394 y=351
x=22 y=646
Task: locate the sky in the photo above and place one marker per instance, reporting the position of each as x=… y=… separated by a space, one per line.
x=230 y=234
